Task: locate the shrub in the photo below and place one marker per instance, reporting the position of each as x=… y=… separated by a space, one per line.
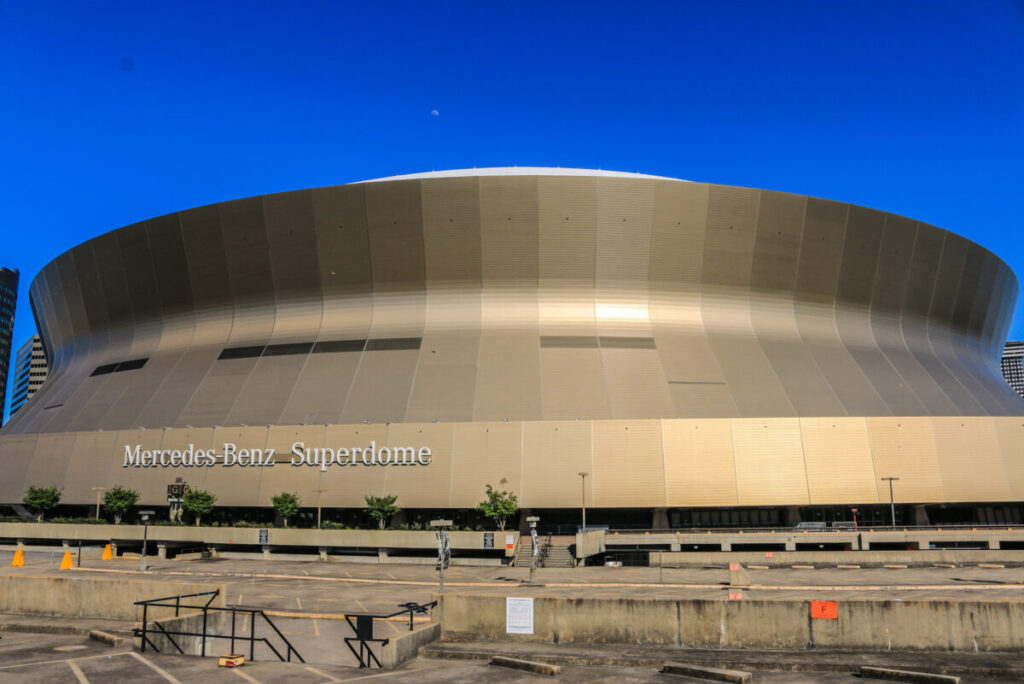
x=41 y=500
x=198 y=502
x=381 y=508
x=117 y=500
x=286 y=504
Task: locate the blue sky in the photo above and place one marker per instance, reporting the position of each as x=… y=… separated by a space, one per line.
x=115 y=112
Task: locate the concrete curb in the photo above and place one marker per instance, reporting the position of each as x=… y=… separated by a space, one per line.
x=701 y=672
x=526 y=665
x=907 y=676
x=824 y=661
x=106 y=638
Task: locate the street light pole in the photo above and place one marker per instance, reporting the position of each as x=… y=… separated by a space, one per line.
x=892 y=504
x=442 y=549
x=318 y=493
x=533 y=520
x=583 y=492
x=98 y=490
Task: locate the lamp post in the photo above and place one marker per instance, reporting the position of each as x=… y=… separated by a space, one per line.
x=99 y=491
x=318 y=493
x=443 y=549
x=145 y=534
x=533 y=520
x=583 y=492
x=892 y=504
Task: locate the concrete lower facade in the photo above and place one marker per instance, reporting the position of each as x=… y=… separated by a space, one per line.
x=967 y=626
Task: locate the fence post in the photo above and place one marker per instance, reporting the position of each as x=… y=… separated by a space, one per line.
x=233 y=613
x=252 y=636
x=145 y=613
x=206 y=611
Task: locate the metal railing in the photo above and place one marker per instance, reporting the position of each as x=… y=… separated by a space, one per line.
x=363 y=629
x=782 y=529
x=145 y=631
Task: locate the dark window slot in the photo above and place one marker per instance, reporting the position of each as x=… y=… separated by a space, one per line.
x=134 y=364
x=568 y=342
x=393 y=343
x=288 y=349
x=338 y=346
x=103 y=370
x=240 y=353
x=627 y=342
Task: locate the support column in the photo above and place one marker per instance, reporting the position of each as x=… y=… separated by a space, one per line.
x=790 y=545
x=323 y=555
x=659 y=519
x=266 y=552
x=920 y=515
x=161 y=551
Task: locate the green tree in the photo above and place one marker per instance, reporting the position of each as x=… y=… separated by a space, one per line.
x=499 y=506
x=381 y=508
x=117 y=500
x=286 y=505
x=41 y=500
x=198 y=502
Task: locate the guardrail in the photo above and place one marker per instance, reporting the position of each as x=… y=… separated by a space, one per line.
x=363 y=629
x=144 y=631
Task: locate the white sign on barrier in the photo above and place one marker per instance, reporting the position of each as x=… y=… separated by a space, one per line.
x=518 y=615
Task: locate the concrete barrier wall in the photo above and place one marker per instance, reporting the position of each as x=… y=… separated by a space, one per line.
x=784 y=559
x=111 y=599
x=403 y=648
x=395 y=539
x=869 y=625
x=216 y=622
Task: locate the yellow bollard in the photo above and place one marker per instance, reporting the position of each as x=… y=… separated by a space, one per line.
x=19 y=559
x=107 y=555
x=67 y=563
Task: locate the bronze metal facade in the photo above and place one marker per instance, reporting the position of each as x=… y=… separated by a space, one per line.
x=687 y=344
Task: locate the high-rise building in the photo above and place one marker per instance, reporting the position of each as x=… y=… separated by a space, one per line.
x=1013 y=365
x=30 y=370
x=8 y=300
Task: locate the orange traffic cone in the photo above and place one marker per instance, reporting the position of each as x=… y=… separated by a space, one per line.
x=19 y=559
x=107 y=554
x=67 y=563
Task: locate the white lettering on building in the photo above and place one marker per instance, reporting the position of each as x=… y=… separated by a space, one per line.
x=231 y=455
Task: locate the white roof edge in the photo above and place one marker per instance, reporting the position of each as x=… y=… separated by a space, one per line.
x=519 y=171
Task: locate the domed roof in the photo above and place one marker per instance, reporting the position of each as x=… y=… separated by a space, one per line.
x=520 y=171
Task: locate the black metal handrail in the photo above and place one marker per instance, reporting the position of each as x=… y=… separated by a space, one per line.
x=144 y=631
x=363 y=629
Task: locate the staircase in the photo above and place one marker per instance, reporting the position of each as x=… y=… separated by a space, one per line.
x=554 y=552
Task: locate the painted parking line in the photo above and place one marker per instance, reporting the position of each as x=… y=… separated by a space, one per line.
x=247 y=677
x=156 y=668
x=330 y=679
x=79 y=675
x=64 y=660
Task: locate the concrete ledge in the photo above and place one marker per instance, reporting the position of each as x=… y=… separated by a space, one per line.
x=106 y=638
x=107 y=598
x=406 y=647
x=526 y=665
x=907 y=676
x=702 y=672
